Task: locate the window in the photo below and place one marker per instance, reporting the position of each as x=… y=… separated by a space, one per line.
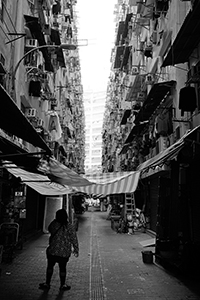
x=96 y=159
x=96 y=152
x=97 y=144
x=96 y=130
x=97 y=137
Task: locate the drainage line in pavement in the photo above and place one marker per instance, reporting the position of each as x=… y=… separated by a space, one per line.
x=96 y=282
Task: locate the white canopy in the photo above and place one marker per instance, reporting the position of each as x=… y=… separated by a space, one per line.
x=112 y=183
x=39 y=183
x=62 y=181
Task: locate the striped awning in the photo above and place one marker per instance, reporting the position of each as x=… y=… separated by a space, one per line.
x=59 y=173
x=60 y=180
x=112 y=183
x=39 y=183
x=171 y=152
x=104 y=183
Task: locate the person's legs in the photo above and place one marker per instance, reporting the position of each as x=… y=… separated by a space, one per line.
x=63 y=272
x=51 y=260
x=50 y=266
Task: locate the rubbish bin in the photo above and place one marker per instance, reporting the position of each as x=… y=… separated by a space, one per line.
x=147 y=257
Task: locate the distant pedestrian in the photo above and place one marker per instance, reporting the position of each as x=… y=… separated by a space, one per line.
x=63 y=237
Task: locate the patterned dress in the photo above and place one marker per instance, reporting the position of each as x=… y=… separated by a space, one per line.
x=62 y=238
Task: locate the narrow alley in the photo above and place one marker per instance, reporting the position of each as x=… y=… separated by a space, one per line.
x=109 y=267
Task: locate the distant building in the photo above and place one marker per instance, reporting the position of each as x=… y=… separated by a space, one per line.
x=94 y=103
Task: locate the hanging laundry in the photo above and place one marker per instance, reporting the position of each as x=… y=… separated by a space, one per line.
x=56 y=8
x=161 y=125
x=68 y=19
x=34 y=88
x=148 y=52
x=69 y=31
x=161 y=27
x=187 y=99
x=162 y=24
x=67 y=12
x=68 y=5
x=54 y=127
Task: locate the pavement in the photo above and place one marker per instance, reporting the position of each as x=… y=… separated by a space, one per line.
x=110 y=267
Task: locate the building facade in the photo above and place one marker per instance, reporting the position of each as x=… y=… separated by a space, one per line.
x=42 y=111
x=151 y=124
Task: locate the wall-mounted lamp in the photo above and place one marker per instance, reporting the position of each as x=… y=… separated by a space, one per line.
x=62 y=46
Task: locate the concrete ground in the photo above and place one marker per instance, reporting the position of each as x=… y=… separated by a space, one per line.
x=109 y=267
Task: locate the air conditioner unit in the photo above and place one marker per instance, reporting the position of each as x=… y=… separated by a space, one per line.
x=40 y=122
x=149 y=79
x=31 y=113
x=31 y=43
x=48 y=138
x=135 y=71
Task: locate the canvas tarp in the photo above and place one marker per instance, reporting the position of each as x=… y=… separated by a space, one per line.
x=62 y=180
x=39 y=183
x=112 y=183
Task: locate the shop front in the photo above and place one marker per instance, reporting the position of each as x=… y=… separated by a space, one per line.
x=172 y=203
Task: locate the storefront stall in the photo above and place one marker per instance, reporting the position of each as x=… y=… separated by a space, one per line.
x=172 y=202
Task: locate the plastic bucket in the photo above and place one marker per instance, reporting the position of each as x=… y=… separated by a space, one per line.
x=147 y=257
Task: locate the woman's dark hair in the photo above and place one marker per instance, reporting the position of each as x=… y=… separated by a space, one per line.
x=61 y=216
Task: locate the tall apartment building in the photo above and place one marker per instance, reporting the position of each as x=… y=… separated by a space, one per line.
x=41 y=114
x=94 y=103
x=152 y=120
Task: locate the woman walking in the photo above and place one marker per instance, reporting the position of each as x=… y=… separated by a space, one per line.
x=63 y=237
